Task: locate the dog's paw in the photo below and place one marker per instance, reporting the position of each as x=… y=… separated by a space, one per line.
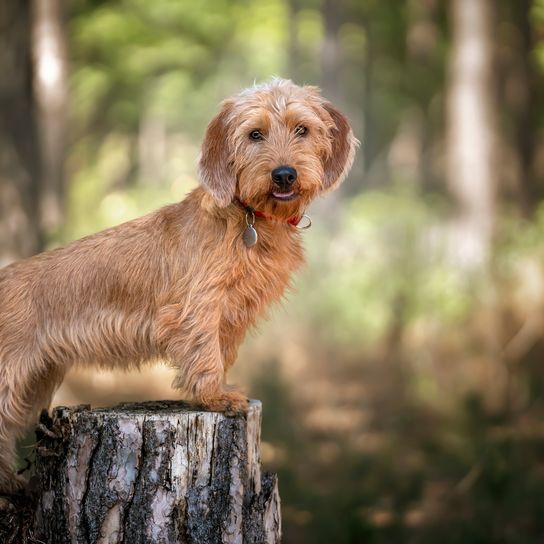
x=232 y=403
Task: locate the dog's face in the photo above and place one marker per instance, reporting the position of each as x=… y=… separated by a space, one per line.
x=276 y=147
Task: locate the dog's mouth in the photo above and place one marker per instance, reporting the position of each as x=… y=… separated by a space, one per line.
x=284 y=196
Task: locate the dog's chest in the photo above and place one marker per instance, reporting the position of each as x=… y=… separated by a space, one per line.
x=259 y=276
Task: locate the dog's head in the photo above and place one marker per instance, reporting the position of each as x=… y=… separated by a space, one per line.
x=276 y=147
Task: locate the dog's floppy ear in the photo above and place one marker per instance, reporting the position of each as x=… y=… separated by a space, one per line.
x=337 y=164
x=215 y=168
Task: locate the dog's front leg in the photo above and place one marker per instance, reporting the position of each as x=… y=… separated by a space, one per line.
x=194 y=349
x=230 y=338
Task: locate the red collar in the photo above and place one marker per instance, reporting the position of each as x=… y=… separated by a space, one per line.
x=295 y=220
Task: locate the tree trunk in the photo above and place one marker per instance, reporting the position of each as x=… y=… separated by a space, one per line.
x=154 y=472
x=472 y=127
x=51 y=91
x=20 y=234
x=331 y=59
x=529 y=91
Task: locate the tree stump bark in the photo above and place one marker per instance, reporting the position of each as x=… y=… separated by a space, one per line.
x=155 y=472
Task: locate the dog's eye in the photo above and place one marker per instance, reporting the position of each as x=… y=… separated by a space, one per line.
x=256 y=135
x=301 y=130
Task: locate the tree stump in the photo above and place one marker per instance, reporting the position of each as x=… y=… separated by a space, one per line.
x=155 y=472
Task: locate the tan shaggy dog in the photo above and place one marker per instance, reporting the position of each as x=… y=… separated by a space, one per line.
x=183 y=283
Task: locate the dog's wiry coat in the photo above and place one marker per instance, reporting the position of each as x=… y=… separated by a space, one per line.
x=177 y=284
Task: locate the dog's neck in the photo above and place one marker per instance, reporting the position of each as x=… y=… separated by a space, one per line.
x=294 y=220
x=238 y=217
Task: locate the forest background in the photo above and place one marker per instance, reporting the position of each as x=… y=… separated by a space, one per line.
x=403 y=378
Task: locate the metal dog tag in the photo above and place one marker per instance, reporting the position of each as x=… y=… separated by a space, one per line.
x=250 y=236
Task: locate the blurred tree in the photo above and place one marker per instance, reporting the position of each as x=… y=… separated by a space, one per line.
x=526 y=81
x=50 y=87
x=32 y=124
x=398 y=77
x=472 y=128
x=20 y=232
x=520 y=93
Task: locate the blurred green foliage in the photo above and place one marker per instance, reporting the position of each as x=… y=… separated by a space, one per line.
x=378 y=256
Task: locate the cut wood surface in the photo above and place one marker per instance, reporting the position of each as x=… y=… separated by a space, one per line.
x=154 y=472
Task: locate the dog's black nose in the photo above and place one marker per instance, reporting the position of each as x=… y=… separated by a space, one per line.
x=284 y=176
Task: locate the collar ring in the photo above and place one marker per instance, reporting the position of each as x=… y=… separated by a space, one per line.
x=304 y=223
x=250 y=217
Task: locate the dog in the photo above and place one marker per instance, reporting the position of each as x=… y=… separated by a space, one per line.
x=184 y=283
